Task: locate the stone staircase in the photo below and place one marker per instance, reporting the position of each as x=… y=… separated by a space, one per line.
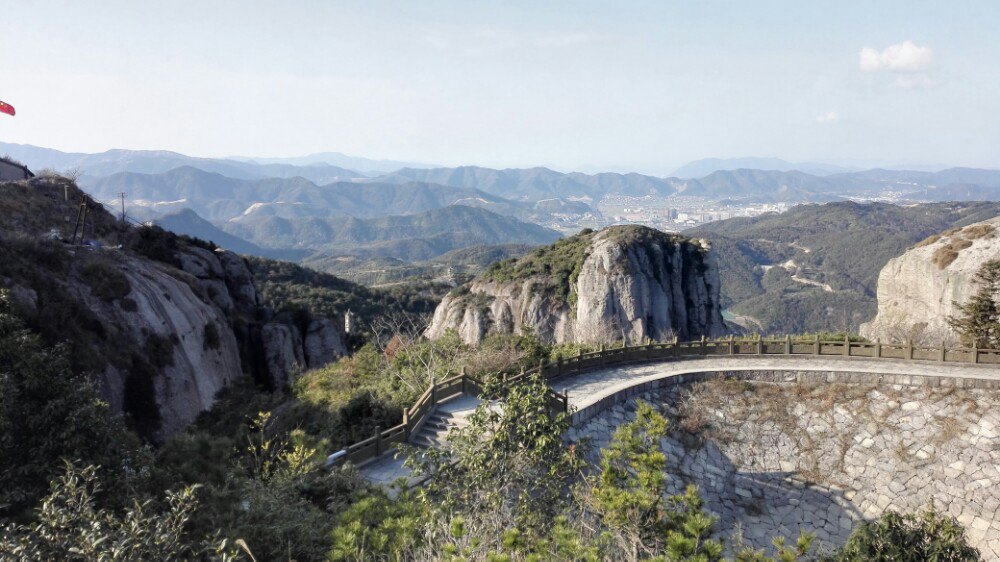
x=444 y=418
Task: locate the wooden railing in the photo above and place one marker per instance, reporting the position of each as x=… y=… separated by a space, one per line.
x=414 y=417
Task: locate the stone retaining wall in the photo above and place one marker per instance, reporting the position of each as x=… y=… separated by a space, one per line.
x=823 y=450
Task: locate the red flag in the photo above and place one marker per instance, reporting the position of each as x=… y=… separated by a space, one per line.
x=6 y=108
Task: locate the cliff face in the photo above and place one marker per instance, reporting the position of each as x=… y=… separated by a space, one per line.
x=917 y=291
x=627 y=282
x=165 y=323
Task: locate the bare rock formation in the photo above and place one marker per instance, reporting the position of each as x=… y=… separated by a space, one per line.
x=165 y=322
x=629 y=282
x=917 y=291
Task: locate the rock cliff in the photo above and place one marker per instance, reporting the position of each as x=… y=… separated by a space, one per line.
x=629 y=282
x=166 y=322
x=917 y=291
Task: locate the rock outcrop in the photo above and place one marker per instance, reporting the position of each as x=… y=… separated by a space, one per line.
x=165 y=322
x=918 y=291
x=629 y=282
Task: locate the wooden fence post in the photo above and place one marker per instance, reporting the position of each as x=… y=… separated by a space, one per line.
x=433 y=391
x=732 y=345
x=788 y=344
x=703 y=350
x=463 y=379
x=541 y=368
x=677 y=348
x=816 y=346
x=559 y=371
x=942 y=351
x=565 y=397
x=975 y=352
x=378 y=441
x=760 y=345
x=601 y=355
x=847 y=345
x=909 y=348
x=878 y=348
x=406 y=423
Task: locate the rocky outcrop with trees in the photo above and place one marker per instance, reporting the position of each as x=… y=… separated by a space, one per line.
x=624 y=282
x=165 y=322
x=921 y=293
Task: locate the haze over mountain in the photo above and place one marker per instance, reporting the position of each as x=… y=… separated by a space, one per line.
x=158 y=161
x=367 y=165
x=705 y=166
x=219 y=198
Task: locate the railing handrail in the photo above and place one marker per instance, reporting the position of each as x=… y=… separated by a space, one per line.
x=413 y=417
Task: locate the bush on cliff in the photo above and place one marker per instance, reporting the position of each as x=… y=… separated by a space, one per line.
x=915 y=537
x=47 y=412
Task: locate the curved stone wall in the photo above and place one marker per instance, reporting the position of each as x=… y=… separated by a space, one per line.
x=773 y=459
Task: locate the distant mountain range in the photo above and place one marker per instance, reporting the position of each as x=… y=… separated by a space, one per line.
x=367 y=165
x=705 y=166
x=188 y=222
x=159 y=161
x=220 y=198
x=533 y=184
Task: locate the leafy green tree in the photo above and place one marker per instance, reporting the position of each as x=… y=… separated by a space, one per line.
x=70 y=526
x=978 y=321
x=510 y=458
x=915 y=537
x=49 y=412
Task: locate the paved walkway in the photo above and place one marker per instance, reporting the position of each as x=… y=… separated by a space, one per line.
x=588 y=390
x=388 y=468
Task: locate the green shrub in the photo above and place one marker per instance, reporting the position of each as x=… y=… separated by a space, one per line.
x=106 y=282
x=71 y=526
x=47 y=412
x=928 y=535
x=212 y=338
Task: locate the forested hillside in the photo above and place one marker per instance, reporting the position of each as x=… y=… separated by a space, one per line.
x=814 y=268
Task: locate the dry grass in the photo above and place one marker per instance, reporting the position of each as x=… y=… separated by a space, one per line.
x=928 y=241
x=945 y=255
x=977 y=231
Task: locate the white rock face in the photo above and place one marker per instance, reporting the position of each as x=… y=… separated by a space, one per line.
x=194 y=309
x=170 y=308
x=916 y=296
x=659 y=288
x=283 y=352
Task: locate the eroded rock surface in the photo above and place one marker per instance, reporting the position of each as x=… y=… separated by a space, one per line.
x=629 y=282
x=917 y=291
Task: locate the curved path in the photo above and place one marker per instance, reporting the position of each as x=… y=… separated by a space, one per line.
x=592 y=392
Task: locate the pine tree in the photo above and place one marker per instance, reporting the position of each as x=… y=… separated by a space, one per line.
x=979 y=319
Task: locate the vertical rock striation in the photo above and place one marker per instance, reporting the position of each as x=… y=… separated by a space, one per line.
x=165 y=323
x=629 y=282
x=918 y=291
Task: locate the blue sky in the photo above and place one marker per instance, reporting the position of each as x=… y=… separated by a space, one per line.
x=572 y=85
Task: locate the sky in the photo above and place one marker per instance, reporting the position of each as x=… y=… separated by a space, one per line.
x=643 y=86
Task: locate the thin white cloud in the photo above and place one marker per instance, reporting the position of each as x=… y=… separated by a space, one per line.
x=901 y=57
x=566 y=39
x=913 y=81
x=828 y=117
